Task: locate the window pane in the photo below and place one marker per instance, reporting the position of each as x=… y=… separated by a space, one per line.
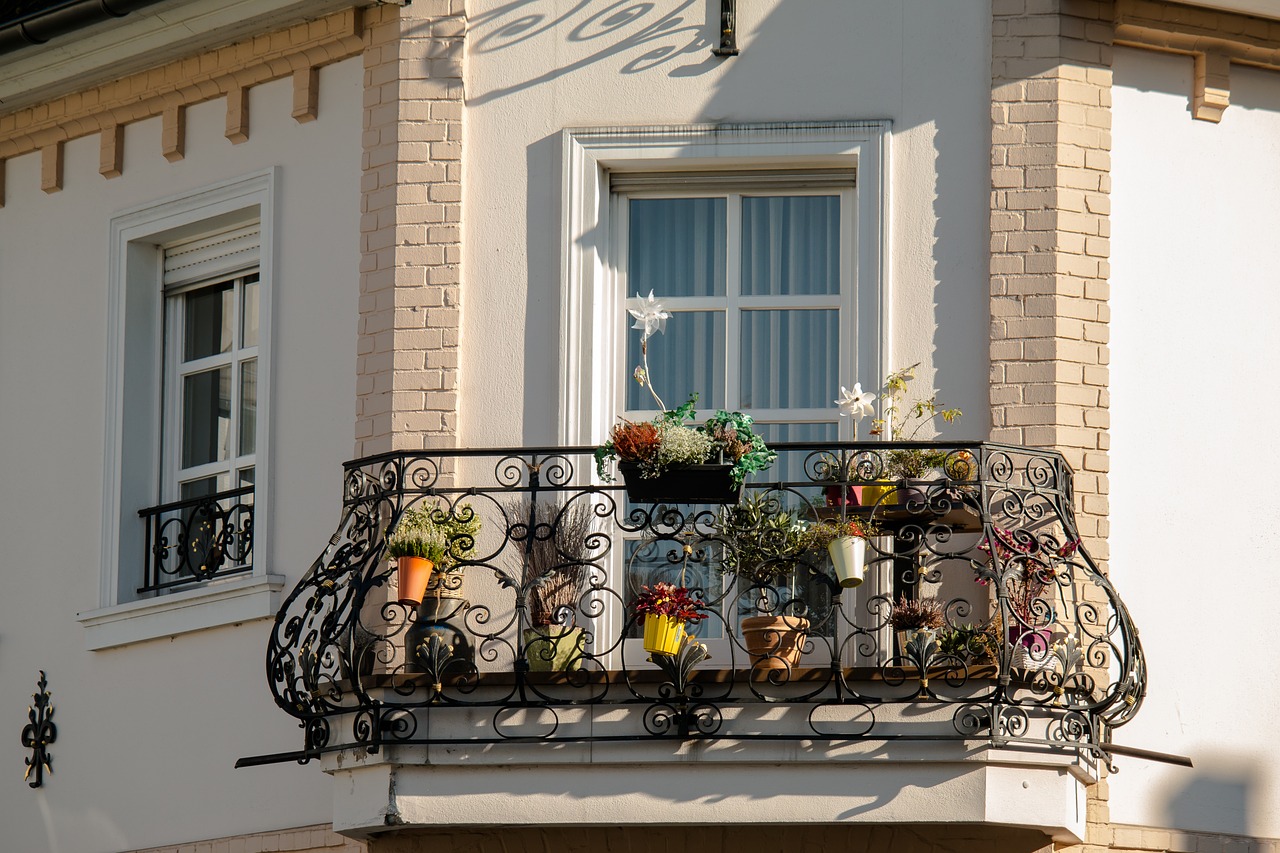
x=246 y=476
x=790 y=359
x=206 y=416
x=687 y=357
x=202 y=487
x=248 y=406
x=790 y=467
x=677 y=247
x=249 y=312
x=209 y=315
x=790 y=245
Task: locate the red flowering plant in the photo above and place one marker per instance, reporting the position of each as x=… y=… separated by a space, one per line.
x=1036 y=561
x=667 y=599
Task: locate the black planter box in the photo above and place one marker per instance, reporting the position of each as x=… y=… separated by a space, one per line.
x=692 y=484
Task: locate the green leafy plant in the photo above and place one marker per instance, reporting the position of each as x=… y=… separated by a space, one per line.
x=442 y=536
x=903 y=421
x=764 y=541
x=822 y=534
x=970 y=644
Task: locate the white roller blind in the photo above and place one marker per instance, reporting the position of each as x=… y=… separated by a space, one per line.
x=212 y=255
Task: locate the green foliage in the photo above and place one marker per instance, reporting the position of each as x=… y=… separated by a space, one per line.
x=910 y=416
x=442 y=536
x=970 y=644
x=822 y=534
x=668 y=441
x=763 y=541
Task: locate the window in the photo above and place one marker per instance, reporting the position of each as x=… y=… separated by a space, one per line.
x=188 y=391
x=767 y=244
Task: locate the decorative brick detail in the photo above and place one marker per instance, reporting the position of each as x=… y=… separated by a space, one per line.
x=304 y=839
x=168 y=89
x=1213 y=38
x=407 y=380
x=1050 y=155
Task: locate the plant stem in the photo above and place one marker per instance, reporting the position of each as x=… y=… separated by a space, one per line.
x=644 y=355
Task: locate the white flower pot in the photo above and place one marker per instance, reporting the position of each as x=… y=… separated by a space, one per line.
x=849 y=559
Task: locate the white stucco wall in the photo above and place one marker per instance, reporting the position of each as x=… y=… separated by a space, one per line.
x=533 y=71
x=148 y=733
x=1194 y=349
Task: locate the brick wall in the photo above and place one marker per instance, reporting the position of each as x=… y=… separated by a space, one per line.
x=411 y=206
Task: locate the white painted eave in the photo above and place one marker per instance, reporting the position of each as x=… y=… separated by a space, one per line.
x=900 y=783
x=143 y=39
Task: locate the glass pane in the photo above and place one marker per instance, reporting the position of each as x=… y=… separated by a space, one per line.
x=677 y=247
x=687 y=357
x=202 y=487
x=790 y=467
x=206 y=416
x=790 y=245
x=248 y=406
x=209 y=314
x=790 y=359
x=249 y=312
x=246 y=476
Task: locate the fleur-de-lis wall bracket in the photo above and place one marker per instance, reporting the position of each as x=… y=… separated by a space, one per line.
x=728 y=29
x=38 y=734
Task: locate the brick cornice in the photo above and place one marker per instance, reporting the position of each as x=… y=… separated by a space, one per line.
x=1214 y=39
x=169 y=88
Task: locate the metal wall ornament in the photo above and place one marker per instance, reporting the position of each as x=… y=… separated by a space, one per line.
x=38 y=734
x=728 y=29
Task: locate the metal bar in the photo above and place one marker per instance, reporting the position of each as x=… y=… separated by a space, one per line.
x=1148 y=754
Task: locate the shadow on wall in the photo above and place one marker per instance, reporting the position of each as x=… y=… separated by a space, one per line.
x=1214 y=798
x=654 y=36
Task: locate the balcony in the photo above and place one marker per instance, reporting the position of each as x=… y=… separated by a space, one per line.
x=525 y=651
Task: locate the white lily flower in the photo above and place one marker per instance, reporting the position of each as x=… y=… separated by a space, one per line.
x=855 y=403
x=649 y=314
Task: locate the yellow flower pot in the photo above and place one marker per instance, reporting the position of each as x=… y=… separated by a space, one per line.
x=882 y=492
x=662 y=634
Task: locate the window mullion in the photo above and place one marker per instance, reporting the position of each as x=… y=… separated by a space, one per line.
x=733 y=290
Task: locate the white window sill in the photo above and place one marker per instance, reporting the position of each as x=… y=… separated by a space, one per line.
x=219 y=603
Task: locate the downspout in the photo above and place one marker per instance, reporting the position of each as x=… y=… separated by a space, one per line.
x=40 y=26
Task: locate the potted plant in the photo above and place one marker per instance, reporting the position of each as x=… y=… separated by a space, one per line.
x=902 y=422
x=970 y=644
x=913 y=617
x=427 y=544
x=854 y=405
x=1030 y=569
x=846 y=543
x=764 y=545
x=555 y=557
x=667 y=609
x=669 y=460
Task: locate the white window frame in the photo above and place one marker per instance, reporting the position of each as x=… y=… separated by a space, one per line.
x=591 y=373
x=732 y=304
x=592 y=376
x=133 y=465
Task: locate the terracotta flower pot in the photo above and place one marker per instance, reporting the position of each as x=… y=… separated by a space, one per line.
x=774 y=642
x=412 y=576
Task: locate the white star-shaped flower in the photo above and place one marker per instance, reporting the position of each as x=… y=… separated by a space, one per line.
x=855 y=403
x=650 y=317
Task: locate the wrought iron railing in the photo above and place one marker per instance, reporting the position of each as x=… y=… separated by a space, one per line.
x=1035 y=648
x=197 y=540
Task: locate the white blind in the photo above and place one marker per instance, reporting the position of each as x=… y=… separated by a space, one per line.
x=211 y=255
x=732 y=181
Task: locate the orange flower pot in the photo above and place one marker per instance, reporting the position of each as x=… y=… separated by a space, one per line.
x=412 y=576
